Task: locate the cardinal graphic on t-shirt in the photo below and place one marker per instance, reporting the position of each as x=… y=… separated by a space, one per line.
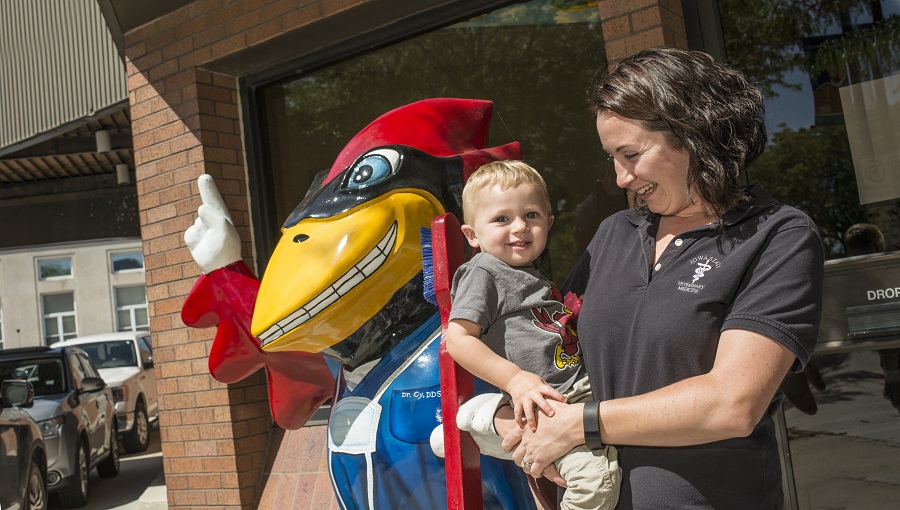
x=562 y=323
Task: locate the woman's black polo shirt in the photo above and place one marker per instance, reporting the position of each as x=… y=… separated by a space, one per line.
x=644 y=326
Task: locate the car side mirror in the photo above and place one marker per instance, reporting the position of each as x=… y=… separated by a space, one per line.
x=148 y=364
x=17 y=393
x=91 y=384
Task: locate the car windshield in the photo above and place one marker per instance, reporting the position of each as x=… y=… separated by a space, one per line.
x=45 y=374
x=113 y=354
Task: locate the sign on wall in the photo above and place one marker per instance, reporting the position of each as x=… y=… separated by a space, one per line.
x=872 y=115
x=861 y=304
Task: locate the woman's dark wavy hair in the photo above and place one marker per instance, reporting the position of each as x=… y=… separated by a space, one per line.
x=702 y=105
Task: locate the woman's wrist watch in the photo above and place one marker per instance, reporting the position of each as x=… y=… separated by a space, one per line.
x=592 y=425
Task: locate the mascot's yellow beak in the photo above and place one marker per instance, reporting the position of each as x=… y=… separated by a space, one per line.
x=327 y=277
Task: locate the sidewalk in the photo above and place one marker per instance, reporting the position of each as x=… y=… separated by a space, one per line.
x=155 y=497
x=847 y=455
x=140 y=484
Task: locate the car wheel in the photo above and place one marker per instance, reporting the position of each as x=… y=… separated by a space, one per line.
x=138 y=438
x=37 y=488
x=76 y=494
x=110 y=465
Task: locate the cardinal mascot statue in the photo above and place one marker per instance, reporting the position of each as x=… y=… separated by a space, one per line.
x=341 y=313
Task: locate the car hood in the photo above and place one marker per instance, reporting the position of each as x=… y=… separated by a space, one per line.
x=117 y=376
x=44 y=409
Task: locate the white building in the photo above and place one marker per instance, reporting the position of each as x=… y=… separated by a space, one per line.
x=59 y=291
x=71 y=258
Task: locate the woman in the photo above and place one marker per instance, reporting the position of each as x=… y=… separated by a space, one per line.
x=697 y=302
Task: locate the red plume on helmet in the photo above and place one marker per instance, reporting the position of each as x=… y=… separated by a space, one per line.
x=441 y=127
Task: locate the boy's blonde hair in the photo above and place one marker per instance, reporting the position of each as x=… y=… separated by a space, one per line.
x=506 y=174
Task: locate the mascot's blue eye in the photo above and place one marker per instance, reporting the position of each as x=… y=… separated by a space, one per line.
x=374 y=167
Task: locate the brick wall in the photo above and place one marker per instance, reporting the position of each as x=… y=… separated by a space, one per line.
x=632 y=25
x=219 y=447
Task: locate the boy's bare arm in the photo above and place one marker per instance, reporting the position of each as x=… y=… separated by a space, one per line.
x=465 y=346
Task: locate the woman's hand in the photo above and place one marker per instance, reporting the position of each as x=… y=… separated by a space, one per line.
x=512 y=432
x=555 y=436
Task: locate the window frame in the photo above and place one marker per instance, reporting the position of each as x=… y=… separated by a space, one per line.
x=69 y=276
x=113 y=270
x=76 y=368
x=89 y=368
x=59 y=318
x=130 y=309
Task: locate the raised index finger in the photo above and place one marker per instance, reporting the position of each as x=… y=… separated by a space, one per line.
x=209 y=194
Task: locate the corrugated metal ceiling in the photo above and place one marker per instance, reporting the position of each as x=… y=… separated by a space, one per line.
x=72 y=153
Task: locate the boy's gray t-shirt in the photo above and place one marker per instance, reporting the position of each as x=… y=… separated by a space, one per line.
x=522 y=318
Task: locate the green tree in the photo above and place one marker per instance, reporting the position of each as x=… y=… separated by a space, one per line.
x=811 y=169
x=768 y=39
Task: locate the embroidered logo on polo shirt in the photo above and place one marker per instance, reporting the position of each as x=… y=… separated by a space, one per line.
x=701 y=266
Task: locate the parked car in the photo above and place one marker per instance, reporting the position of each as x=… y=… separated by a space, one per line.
x=125 y=362
x=23 y=460
x=75 y=412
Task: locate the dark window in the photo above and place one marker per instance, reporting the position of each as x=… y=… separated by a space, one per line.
x=830 y=74
x=126 y=261
x=534 y=60
x=89 y=369
x=145 y=350
x=46 y=375
x=114 y=354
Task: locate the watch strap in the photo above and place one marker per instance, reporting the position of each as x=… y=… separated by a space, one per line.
x=592 y=425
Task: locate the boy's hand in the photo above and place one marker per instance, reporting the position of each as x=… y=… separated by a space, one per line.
x=527 y=391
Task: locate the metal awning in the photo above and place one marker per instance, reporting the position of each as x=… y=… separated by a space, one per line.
x=72 y=151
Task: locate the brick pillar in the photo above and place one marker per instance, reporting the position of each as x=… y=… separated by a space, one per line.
x=186 y=123
x=632 y=25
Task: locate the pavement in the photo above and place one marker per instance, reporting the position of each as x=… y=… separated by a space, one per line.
x=140 y=484
x=847 y=455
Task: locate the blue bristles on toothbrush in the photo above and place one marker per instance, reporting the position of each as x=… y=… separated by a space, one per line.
x=428 y=291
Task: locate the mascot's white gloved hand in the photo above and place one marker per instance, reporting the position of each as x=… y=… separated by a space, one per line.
x=476 y=417
x=212 y=239
x=437 y=441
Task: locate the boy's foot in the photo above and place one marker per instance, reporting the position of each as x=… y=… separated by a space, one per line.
x=476 y=417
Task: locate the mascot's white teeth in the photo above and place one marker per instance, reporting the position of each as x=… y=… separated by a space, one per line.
x=362 y=270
